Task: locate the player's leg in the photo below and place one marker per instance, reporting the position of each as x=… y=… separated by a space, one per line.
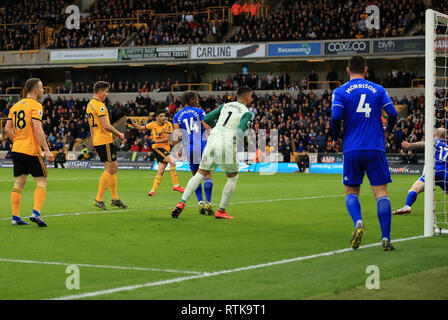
x=39 y=198
x=227 y=192
x=176 y=187
x=113 y=185
x=106 y=177
x=198 y=191
x=384 y=212
x=208 y=188
x=353 y=174
x=417 y=187
x=191 y=187
x=207 y=164
x=379 y=177
x=158 y=178
x=39 y=173
x=16 y=197
x=230 y=165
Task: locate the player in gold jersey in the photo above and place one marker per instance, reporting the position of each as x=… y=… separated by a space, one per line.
x=24 y=129
x=161 y=131
x=102 y=133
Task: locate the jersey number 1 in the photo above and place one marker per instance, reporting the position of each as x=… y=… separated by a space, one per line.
x=364 y=107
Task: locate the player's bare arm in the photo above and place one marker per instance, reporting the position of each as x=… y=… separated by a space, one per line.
x=40 y=135
x=136 y=125
x=413 y=145
x=176 y=141
x=8 y=130
x=106 y=125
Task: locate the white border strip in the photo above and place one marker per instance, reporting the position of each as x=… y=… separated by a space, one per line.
x=98 y=266
x=169 y=208
x=217 y=273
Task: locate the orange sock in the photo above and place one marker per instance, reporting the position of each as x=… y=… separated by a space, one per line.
x=113 y=186
x=174 y=176
x=16 y=196
x=104 y=183
x=39 y=197
x=156 y=184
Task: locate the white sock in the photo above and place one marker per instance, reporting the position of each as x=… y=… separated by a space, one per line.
x=192 y=185
x=227 y=192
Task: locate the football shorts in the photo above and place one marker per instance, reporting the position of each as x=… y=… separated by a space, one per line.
x=160 y=154
x=441 y=179
x=220 y=151
x=361 y=162
x=107 y=152
x=26 y=164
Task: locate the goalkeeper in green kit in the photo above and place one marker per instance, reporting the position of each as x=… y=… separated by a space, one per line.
x=221 y=149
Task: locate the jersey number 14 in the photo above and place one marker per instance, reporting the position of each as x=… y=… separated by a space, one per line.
x=192 y=126
x=364 y=107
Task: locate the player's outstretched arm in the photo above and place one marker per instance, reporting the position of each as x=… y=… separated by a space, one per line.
x=135 y=125
x=40 y=135
x=413 y=145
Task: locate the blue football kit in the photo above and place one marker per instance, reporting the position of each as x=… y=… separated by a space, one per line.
x=189 y=119
x=360 y=103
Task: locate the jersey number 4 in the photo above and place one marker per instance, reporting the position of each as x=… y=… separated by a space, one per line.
x=364 y=107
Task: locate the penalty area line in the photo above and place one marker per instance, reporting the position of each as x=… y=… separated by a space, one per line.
x=217 y=273
x=188 y=206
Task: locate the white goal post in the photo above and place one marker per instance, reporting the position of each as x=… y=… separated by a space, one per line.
x=436 y=82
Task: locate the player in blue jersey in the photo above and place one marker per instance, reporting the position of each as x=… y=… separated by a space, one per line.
x=359 y=103
x=440 y=172
x=189 y=119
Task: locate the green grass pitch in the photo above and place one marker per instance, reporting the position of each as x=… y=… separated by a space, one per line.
x=143 y=253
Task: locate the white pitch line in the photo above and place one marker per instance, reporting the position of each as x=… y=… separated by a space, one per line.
x=217 y=273
x=81 y=179
x=98 y=266
x=169 y=208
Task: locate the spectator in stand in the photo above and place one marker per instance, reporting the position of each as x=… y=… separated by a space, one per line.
x=136 y=146
x=332 y=76
x=313 y=77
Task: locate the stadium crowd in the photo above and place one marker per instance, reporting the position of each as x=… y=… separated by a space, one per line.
x=302 y=122
x=294 y=20
x=340 y=19
x=397 y=78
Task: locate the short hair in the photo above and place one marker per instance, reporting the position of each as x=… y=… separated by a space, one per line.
x=243 y=91
x=187 y=97
x=357 y=64
x=441 y=133
x=160 y=111
x=30 y=84
x=100 y=85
